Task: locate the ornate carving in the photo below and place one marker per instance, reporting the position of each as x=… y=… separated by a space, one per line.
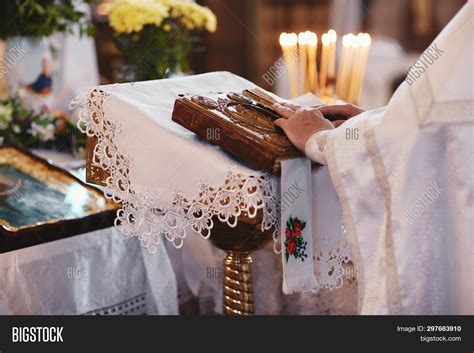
x=248 y=114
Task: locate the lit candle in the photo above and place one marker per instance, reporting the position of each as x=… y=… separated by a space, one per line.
x=288 y=42
x=332 y=37
x=346 y=66
x=365 y=47
x=323 y=74
x=363 y=44
x=342 y=66
x=312 y=54
x=355 y=45
x=302 y=50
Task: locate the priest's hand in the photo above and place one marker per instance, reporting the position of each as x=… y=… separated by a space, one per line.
x=339 y=113
x=300 y=123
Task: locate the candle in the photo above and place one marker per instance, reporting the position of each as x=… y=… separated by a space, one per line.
x=312 y=54
x=332 y=37
x=323 y=74
x=365 y=42
x=352 y=77
x=342 y=66
x=288 y=42
x=346 y=65
x=302 y=50
x=363 y=45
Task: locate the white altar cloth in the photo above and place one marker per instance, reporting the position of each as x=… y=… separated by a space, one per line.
x=97 y=273
x=155 y=163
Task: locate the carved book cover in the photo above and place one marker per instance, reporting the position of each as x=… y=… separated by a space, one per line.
x=240 y=123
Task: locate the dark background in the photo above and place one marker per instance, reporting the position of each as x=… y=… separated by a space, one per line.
x=246 y=40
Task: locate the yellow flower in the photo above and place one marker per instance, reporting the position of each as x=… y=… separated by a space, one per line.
x=194 y=16
x=132 y=15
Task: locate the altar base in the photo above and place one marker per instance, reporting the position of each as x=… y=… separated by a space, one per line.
x=239 y=243
x=238 y=287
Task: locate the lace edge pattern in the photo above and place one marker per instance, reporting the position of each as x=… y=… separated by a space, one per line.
x=140 y=218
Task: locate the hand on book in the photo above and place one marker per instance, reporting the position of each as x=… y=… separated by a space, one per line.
x=300 y=123
x=339 y=113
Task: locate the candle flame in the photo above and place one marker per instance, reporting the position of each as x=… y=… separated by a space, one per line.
x=332 y=35
x=303 y=38
x=346 y=41
x=312 y=39
x=292 y=39
x=325 y=39
x=352 y=40
x=368 y=40
x=364 y=39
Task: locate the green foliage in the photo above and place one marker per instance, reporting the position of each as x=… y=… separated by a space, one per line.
x=41 y=18
x=155 y=53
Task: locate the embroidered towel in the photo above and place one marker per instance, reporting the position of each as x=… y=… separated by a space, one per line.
x=296 y=228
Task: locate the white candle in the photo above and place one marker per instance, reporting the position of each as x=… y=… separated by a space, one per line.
x=332 y=37
x=354 y=69
x=363 y=44
x=312 y=54
x=342 y=65
x=303 y=56
x=288 y=42
x=323 y=74
x=349 y=46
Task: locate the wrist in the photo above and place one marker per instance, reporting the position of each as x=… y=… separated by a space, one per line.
x=315 y=145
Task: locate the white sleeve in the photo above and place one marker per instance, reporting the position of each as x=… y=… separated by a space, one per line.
x=314 y=148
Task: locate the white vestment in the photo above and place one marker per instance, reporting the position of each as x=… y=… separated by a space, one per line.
x=404 y=177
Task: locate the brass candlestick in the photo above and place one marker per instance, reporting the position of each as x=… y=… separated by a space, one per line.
x=239 y=242
x=238 y=286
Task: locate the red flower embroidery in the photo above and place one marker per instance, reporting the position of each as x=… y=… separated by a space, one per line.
x=297 y=232
x=291 y=247
x=295 y=244
x=296 y=223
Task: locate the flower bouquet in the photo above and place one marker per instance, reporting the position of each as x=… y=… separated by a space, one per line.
x=44 y=129
x=157 y=36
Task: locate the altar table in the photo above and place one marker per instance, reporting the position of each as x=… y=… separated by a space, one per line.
x=172 y=184
x=97 y=273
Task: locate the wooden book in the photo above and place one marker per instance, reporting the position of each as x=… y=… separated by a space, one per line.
x=241 y=124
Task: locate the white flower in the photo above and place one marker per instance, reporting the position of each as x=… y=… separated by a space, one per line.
x=16 y=129
x=45 y=133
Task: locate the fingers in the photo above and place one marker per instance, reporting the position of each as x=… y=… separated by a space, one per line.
x=338 y=111
x=292 y=106
x=281 y=123
x=284 y=111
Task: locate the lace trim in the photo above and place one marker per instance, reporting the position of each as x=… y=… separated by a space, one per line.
x=138 y=217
